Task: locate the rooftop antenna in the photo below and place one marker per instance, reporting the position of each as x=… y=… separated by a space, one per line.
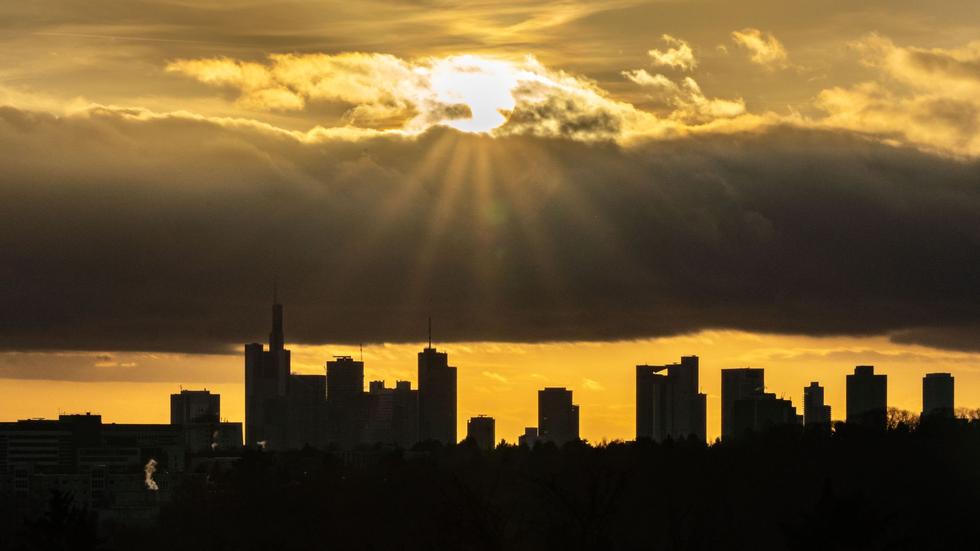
x=362 y=351
x=275 y=289
x=430 y=331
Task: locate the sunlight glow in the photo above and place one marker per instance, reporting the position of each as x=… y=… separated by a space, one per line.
x=485 y=86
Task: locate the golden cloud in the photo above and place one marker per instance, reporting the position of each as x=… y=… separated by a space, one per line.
x=765 y=48
x=928 y=97
x=678 y=56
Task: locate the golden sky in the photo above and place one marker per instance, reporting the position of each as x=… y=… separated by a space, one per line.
x=499 y=379
x=569 y=188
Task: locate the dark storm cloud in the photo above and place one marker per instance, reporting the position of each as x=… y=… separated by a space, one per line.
x=165 y=233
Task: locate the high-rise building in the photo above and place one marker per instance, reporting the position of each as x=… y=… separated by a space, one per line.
x=529 y=438
x=670 y=406
x=738 y=384
x=761 y=412
x=437 y=396
x=405 y=415
x=392 y=414
x=867 y=397
x=198 y=414
x=557 y=416
x=937 y=395
x=380 y=405
x=815 y=412
x=307 y=411
x=283 y=410
x=346 y=411
x=195 y=406
x=481 y=431
x=266 y=388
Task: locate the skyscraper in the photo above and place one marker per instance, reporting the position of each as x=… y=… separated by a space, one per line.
x=307 y=411
x=738 y=384
x=760 y=412
x=405 y=415
x=937 y=395
x=346 y=406
x=481 y=431
x=670 y=405
x=815 y=412
x=437 y=396
x=557 y=416
x=392 y=414
x=266 y=387
x=195 y=406
x=867 y=397
x=529 y=438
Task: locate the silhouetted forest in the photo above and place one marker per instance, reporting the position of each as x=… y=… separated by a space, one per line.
x=916 y=486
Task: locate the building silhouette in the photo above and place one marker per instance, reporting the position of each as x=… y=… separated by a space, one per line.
x=392 y=414
x=306 y=411
x=346 y=404
x=195 y=406
x=761 y=412
x=815 y=411
x=937 y=395
x=529 y=438
x=198 y=414
x=738 y=384
x=670 y=406
x=557 y=416
x=481 y=431
x=283 y=410
x=101 y=464
x=867 y=397
x=266 y=387
x=437 y=395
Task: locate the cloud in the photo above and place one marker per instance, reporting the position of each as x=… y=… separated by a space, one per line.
x=500 y=97
x=496 y=377
x=766 y=50
x=687 y=102
x=926 y=97
x=965 y=338
x=164 y=232
x=678 y=56
x=466 y=92
x=119 y=367
x=594 y=386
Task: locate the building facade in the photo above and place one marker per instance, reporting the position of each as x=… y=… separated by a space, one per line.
x=557 y=416
x=670 y=405
x=436 y=397
x=937 y=395
x=867 y=398
x=738 y=384
x=195 y=406
x=815 y=411
x=481 y=430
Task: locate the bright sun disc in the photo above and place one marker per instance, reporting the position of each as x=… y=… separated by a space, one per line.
x=485 y=86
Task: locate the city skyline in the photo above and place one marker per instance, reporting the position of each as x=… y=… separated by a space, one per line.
x=721 y=258
x=350 y=379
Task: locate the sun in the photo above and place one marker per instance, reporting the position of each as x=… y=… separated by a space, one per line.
x=486 y=86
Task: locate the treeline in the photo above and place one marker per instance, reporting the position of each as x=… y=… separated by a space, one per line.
x=915 y=486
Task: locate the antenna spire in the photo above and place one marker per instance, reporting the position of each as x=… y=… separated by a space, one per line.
x=430 y=331
x=275 y=289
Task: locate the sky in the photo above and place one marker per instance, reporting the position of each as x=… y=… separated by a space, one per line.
x=567 y=188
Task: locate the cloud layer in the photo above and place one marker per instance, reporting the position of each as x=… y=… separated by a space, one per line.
x=164 y=232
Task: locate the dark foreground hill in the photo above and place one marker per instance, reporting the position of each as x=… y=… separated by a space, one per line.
x=907 y=488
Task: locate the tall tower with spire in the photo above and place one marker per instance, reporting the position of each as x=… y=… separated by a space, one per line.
x=276 y=340
x=267 y=377
x=437 y=395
